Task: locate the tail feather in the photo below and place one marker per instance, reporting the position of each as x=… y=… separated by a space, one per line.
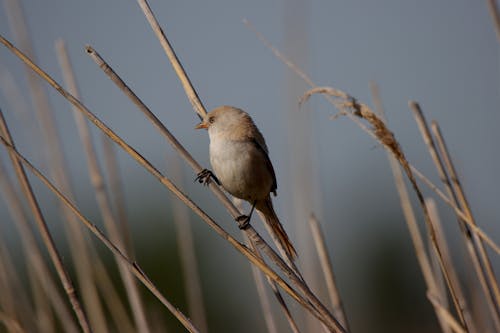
x=274 y=224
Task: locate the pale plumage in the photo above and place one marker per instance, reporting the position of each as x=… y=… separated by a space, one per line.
x=240 y=161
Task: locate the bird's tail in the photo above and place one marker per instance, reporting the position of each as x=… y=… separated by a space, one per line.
x=273 y=223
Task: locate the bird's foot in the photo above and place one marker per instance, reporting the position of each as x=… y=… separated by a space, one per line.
x=243 y=222
x=205 y=176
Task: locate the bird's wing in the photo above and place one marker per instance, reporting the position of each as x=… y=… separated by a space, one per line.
x=267 y=160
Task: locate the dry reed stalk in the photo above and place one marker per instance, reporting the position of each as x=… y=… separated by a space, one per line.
x=43 y=285
x=187 y=254
x=200 y=110
x=10 y=324
x=112 y=170
x=102 y=198
x=348 y=105
x=176 y=64
x=302 y=195
x=190 y=92
x=44 y=231
x=264 y=300
x=495 y=16
x=79 y=248
x=326 y=266
x=480 y=264
x=444 y=313
x=308 y=301
x=417 y=240
x=424 y=129
x=250 y=231
x=464 y=204
x=15 y=101
x=458 y=211
x=261 y=290
x=440 y=294
x=117 y=310
x=14 y=301
x=357 y=121
x=133 y=266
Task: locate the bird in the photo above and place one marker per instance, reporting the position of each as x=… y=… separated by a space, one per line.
x=241 y=163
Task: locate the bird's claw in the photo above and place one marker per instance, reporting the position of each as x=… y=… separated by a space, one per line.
x=205 y=176
x=243 y=222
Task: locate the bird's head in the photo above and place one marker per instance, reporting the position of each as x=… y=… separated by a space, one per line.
x=228 y=120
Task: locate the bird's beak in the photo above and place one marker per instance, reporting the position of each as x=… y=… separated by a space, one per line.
x=201 y=125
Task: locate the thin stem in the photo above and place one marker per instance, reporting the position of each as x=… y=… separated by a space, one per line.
x=455 y=326
x=55 y=160
x=494 y=295
x=312 y=303
x=326 y=266
x=176 y=64
x=187 y=254
x=261 y=290
x=39 y=272
x=440 y=294
x=97 y=180
x=288 y=268
x=424 y=129
x=409 y=214
x=357 y=121
x=44 y=231
x=133 y=266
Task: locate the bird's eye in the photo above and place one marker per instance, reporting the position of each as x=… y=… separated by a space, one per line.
x=211 y=120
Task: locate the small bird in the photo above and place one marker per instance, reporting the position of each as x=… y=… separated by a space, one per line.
x=240 y=160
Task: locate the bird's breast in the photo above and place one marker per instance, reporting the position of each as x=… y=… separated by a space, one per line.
x=241 y=168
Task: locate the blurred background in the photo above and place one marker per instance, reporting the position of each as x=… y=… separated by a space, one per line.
x=443 y=54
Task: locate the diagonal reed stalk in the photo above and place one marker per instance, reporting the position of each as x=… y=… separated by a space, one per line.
x=411 y=221
x=464 y=204
x=44 y=231
x=261 y=291
x=289 y=268
x=187 y=254
x=444 y=313
x=410 y=170
x=133 y=266
x=117 y=310
x=197 y=105
x=349 y=106
x=473 y=245
x=103 y=201
x=308 y=301
x=358 y=122
x=39 y=272
x=440 y=295
x=326 y=266
x=55 y=159
x=14 y=301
